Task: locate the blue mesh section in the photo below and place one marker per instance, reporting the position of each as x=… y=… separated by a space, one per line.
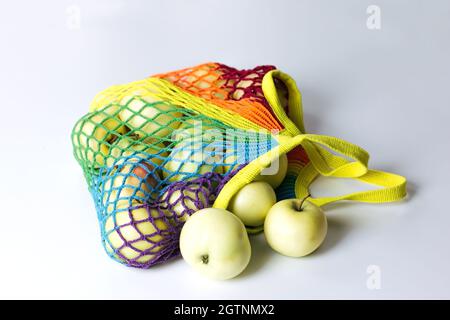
x=287 y=189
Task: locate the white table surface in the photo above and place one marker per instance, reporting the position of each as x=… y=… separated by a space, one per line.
x=386 y=90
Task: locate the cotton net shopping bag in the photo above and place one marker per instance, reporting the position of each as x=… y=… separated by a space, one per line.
x=156 y=150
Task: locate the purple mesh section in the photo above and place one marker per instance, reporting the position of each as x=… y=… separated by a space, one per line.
x=156 y=226
x=159 y=250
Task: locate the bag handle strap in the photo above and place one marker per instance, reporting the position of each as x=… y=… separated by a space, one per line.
x=330 y=165
x=324 y=162
x=393 y=187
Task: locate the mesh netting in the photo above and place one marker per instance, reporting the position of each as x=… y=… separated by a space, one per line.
x=229 y=88
x=241 y=91
x=150 y=164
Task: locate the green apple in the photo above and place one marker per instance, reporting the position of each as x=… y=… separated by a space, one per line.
x=231 y=160
x=274 y=178
x=92 y=137
x=135 y=233
x=151 y=150
x=184 y=202
x=188 y=157
x=295 y=228
x=215 y=243
x=149 y=117
x=252 y=203
x=128 y=183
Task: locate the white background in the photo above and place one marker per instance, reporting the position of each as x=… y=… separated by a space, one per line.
x=386 y=90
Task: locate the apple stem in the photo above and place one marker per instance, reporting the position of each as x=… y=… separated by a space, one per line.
x=134 y=136
x=299 y=208
x=113 y=139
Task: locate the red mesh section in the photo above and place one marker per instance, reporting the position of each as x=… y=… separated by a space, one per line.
x=299 y=155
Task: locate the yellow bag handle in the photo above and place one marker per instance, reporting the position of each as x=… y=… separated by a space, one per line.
x=330 y=165
x=394 y=187
x=323 y=161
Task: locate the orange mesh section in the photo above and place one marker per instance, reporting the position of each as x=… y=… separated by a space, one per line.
x=202 y=80
x=236 y=90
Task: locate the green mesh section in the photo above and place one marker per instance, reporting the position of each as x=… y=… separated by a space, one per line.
x=149 y=165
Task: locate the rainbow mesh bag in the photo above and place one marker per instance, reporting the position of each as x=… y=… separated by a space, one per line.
x=156 y=150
